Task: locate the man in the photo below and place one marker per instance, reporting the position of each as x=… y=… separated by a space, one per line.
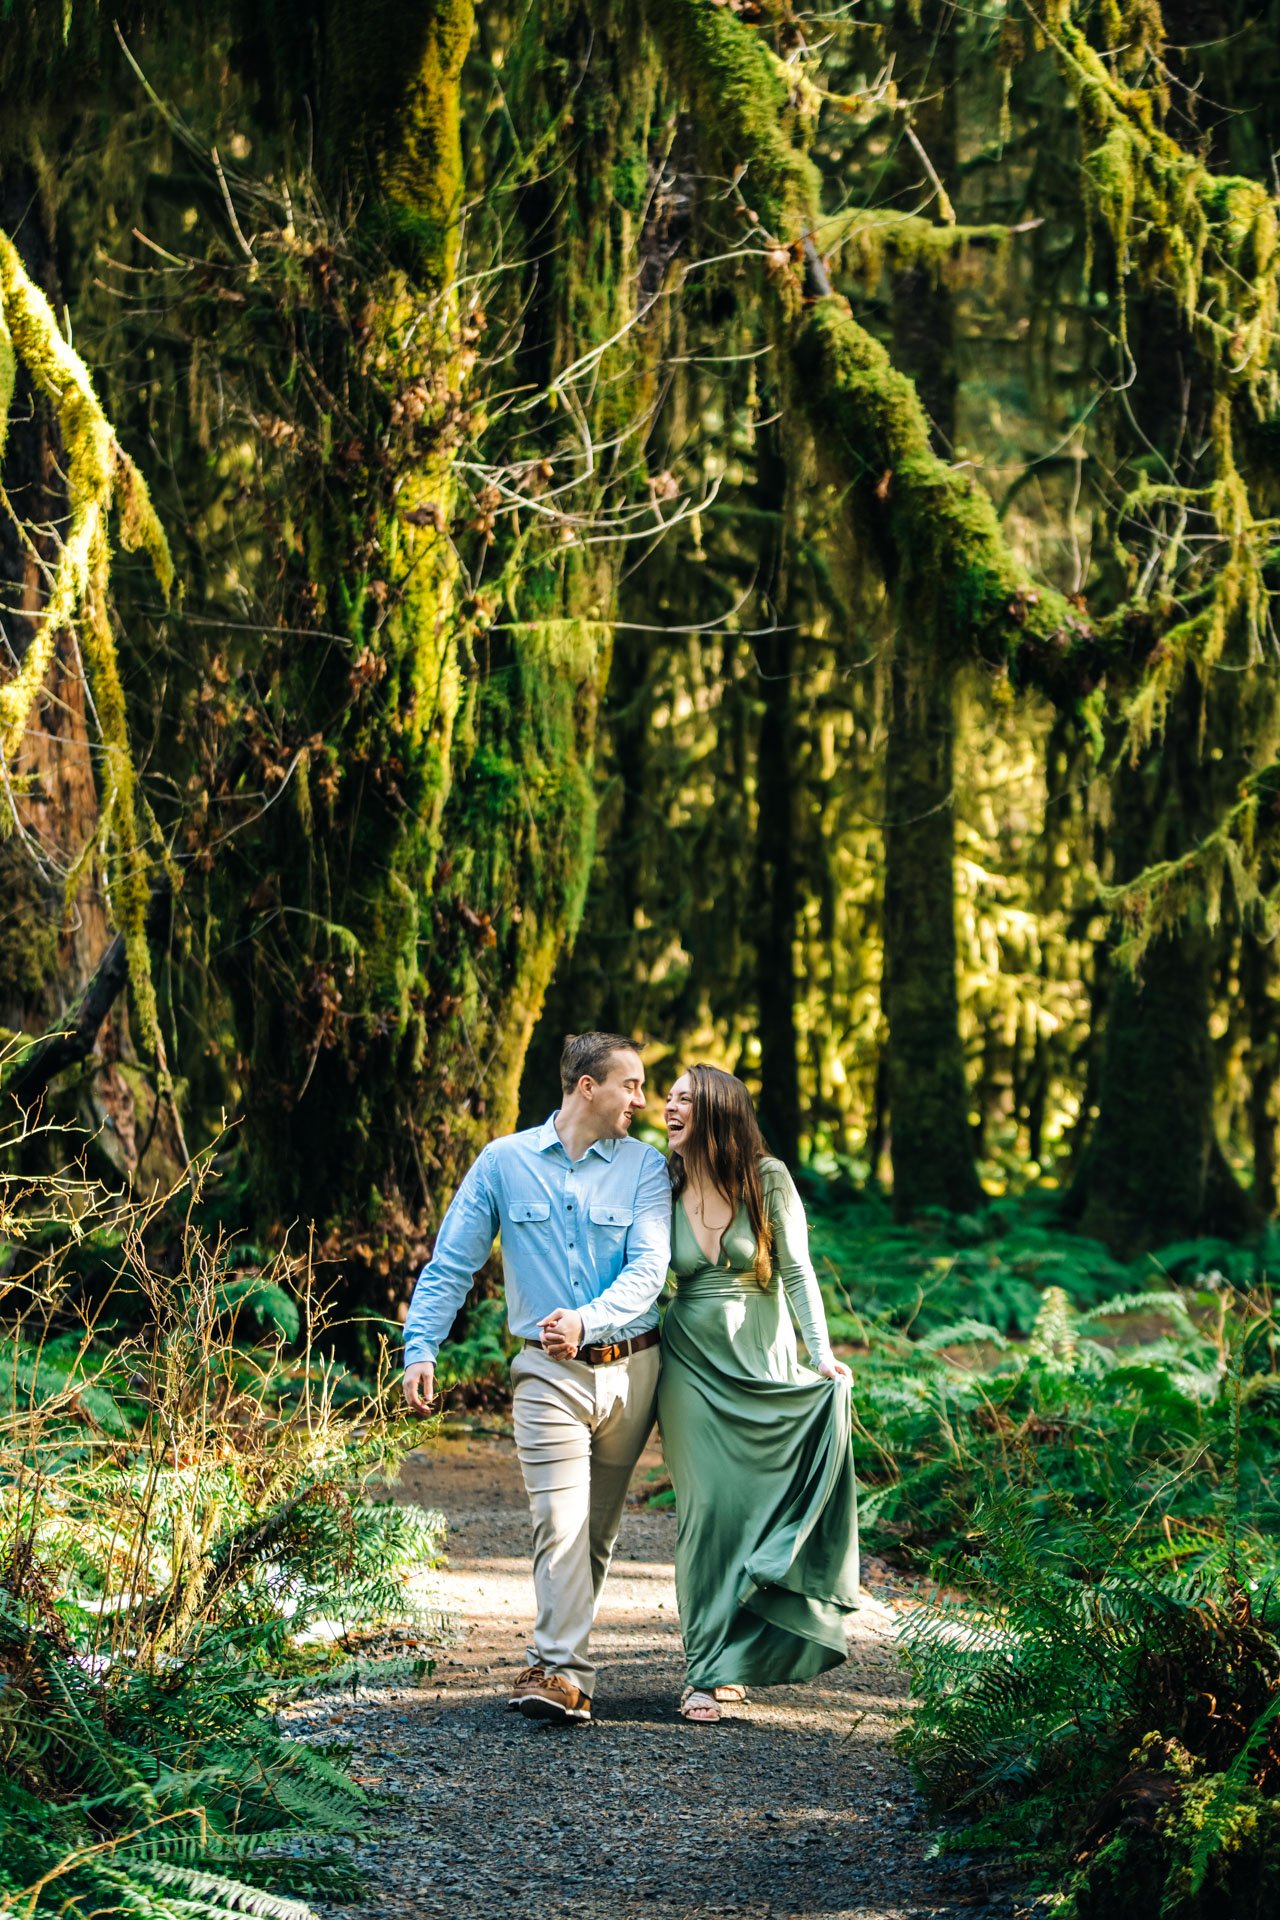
x=585 y=1218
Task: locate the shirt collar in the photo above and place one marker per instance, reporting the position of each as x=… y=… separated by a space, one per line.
x=548 y=1137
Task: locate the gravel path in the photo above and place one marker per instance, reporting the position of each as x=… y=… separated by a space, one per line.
x=794 y=1807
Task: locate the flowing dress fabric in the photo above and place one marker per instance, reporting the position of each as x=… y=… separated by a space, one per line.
x=760 y=1452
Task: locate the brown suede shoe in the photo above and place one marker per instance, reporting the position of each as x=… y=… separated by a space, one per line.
x=539 y=1695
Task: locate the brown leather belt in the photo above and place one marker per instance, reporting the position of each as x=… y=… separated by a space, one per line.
x=606 y=1356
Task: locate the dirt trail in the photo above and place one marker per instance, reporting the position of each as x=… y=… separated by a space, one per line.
x=794 y=1807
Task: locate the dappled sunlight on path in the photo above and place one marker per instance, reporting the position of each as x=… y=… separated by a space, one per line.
x=794 y=1806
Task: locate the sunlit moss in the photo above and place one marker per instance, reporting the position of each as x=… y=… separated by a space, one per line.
x=100 y=476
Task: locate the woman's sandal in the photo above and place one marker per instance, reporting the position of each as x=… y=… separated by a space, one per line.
x=729 y=1696
x=698 y=1707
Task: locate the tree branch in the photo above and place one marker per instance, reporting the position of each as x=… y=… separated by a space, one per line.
x=933 y=528
x=30 y=1073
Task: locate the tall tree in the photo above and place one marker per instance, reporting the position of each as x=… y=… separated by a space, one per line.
x=777 y=658
x=931 y=1140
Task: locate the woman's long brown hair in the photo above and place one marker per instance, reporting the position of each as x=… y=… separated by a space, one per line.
x=725 y=1147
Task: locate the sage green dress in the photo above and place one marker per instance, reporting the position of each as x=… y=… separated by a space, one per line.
x=760 y=1453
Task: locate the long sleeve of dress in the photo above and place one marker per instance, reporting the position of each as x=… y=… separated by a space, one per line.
x=791 y=1262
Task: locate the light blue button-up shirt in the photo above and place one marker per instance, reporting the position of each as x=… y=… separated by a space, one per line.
x=592 y=1234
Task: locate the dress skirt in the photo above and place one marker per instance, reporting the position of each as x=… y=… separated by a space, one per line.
x=761 y=1457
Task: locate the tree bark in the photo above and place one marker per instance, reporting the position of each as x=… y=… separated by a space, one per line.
x=775 y=849
x=54 y=980
x=932 y=1142
x=1153 y=1170
x=1256 y=970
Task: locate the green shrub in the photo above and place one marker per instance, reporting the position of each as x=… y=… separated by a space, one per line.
x=185 y=1519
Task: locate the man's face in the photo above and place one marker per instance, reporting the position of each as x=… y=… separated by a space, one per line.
x=620 y=1095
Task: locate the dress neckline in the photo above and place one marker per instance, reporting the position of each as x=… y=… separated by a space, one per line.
x=704 y=1256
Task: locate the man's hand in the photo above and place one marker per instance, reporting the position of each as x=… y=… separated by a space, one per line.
x=562 y=1332
x=420 y=1386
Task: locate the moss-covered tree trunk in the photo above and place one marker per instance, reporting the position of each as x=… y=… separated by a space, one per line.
x=775 y=874
x=328 y=969
x=1257 y=968
x=931 y=1141
x=55 y=926
x=1154 y=1170
x=519 y=828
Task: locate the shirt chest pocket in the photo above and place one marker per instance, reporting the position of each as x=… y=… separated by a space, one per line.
x=530 y=1213
x=612 y=1222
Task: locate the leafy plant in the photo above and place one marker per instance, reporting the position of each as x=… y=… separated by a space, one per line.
x=1097 y=1679
x=185 y=1497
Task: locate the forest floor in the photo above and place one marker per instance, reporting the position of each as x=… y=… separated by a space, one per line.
x=795 y=1807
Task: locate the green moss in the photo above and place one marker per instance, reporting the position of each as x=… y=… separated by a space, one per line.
x=8 y=377
x=527 y=808
x=745 y=109
x=391 y=946
x=99 y=475
x=1212 y=237
x=630 y=182
x=937 y=532
x=29 y=949
x=873 y=241
x=421 y=172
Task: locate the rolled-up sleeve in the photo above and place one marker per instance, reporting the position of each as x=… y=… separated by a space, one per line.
x=462 y=1246
x=648 y=1256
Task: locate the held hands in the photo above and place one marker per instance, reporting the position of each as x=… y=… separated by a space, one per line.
x=562 y=1332
x=832 y=1369
x=419 y=1386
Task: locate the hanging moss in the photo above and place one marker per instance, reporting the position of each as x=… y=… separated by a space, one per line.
x=936 y=528
x=1210 y=238
x=1207 y=243
x=925 y=522
x=872 y=241
x=749 y=108
x=100 y=476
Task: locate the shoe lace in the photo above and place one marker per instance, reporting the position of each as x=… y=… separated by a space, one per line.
x=531 y=1673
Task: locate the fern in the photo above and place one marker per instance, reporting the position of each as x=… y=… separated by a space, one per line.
x=152 y=1589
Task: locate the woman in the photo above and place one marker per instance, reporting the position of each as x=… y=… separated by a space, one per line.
x=759 y=1447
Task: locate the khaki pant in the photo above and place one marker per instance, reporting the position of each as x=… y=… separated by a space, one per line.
x=579 y=1432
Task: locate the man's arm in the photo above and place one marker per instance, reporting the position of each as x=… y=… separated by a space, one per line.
x=648 y=1257
x=462 y=1246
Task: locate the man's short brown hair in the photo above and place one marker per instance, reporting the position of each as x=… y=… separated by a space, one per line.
x=591 y=1053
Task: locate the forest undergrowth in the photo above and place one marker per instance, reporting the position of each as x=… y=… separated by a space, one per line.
x=192 y=1533
x=1080 y=1455
x=1074 y=1458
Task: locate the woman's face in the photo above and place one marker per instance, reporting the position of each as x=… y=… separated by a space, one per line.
x=677 y=1112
